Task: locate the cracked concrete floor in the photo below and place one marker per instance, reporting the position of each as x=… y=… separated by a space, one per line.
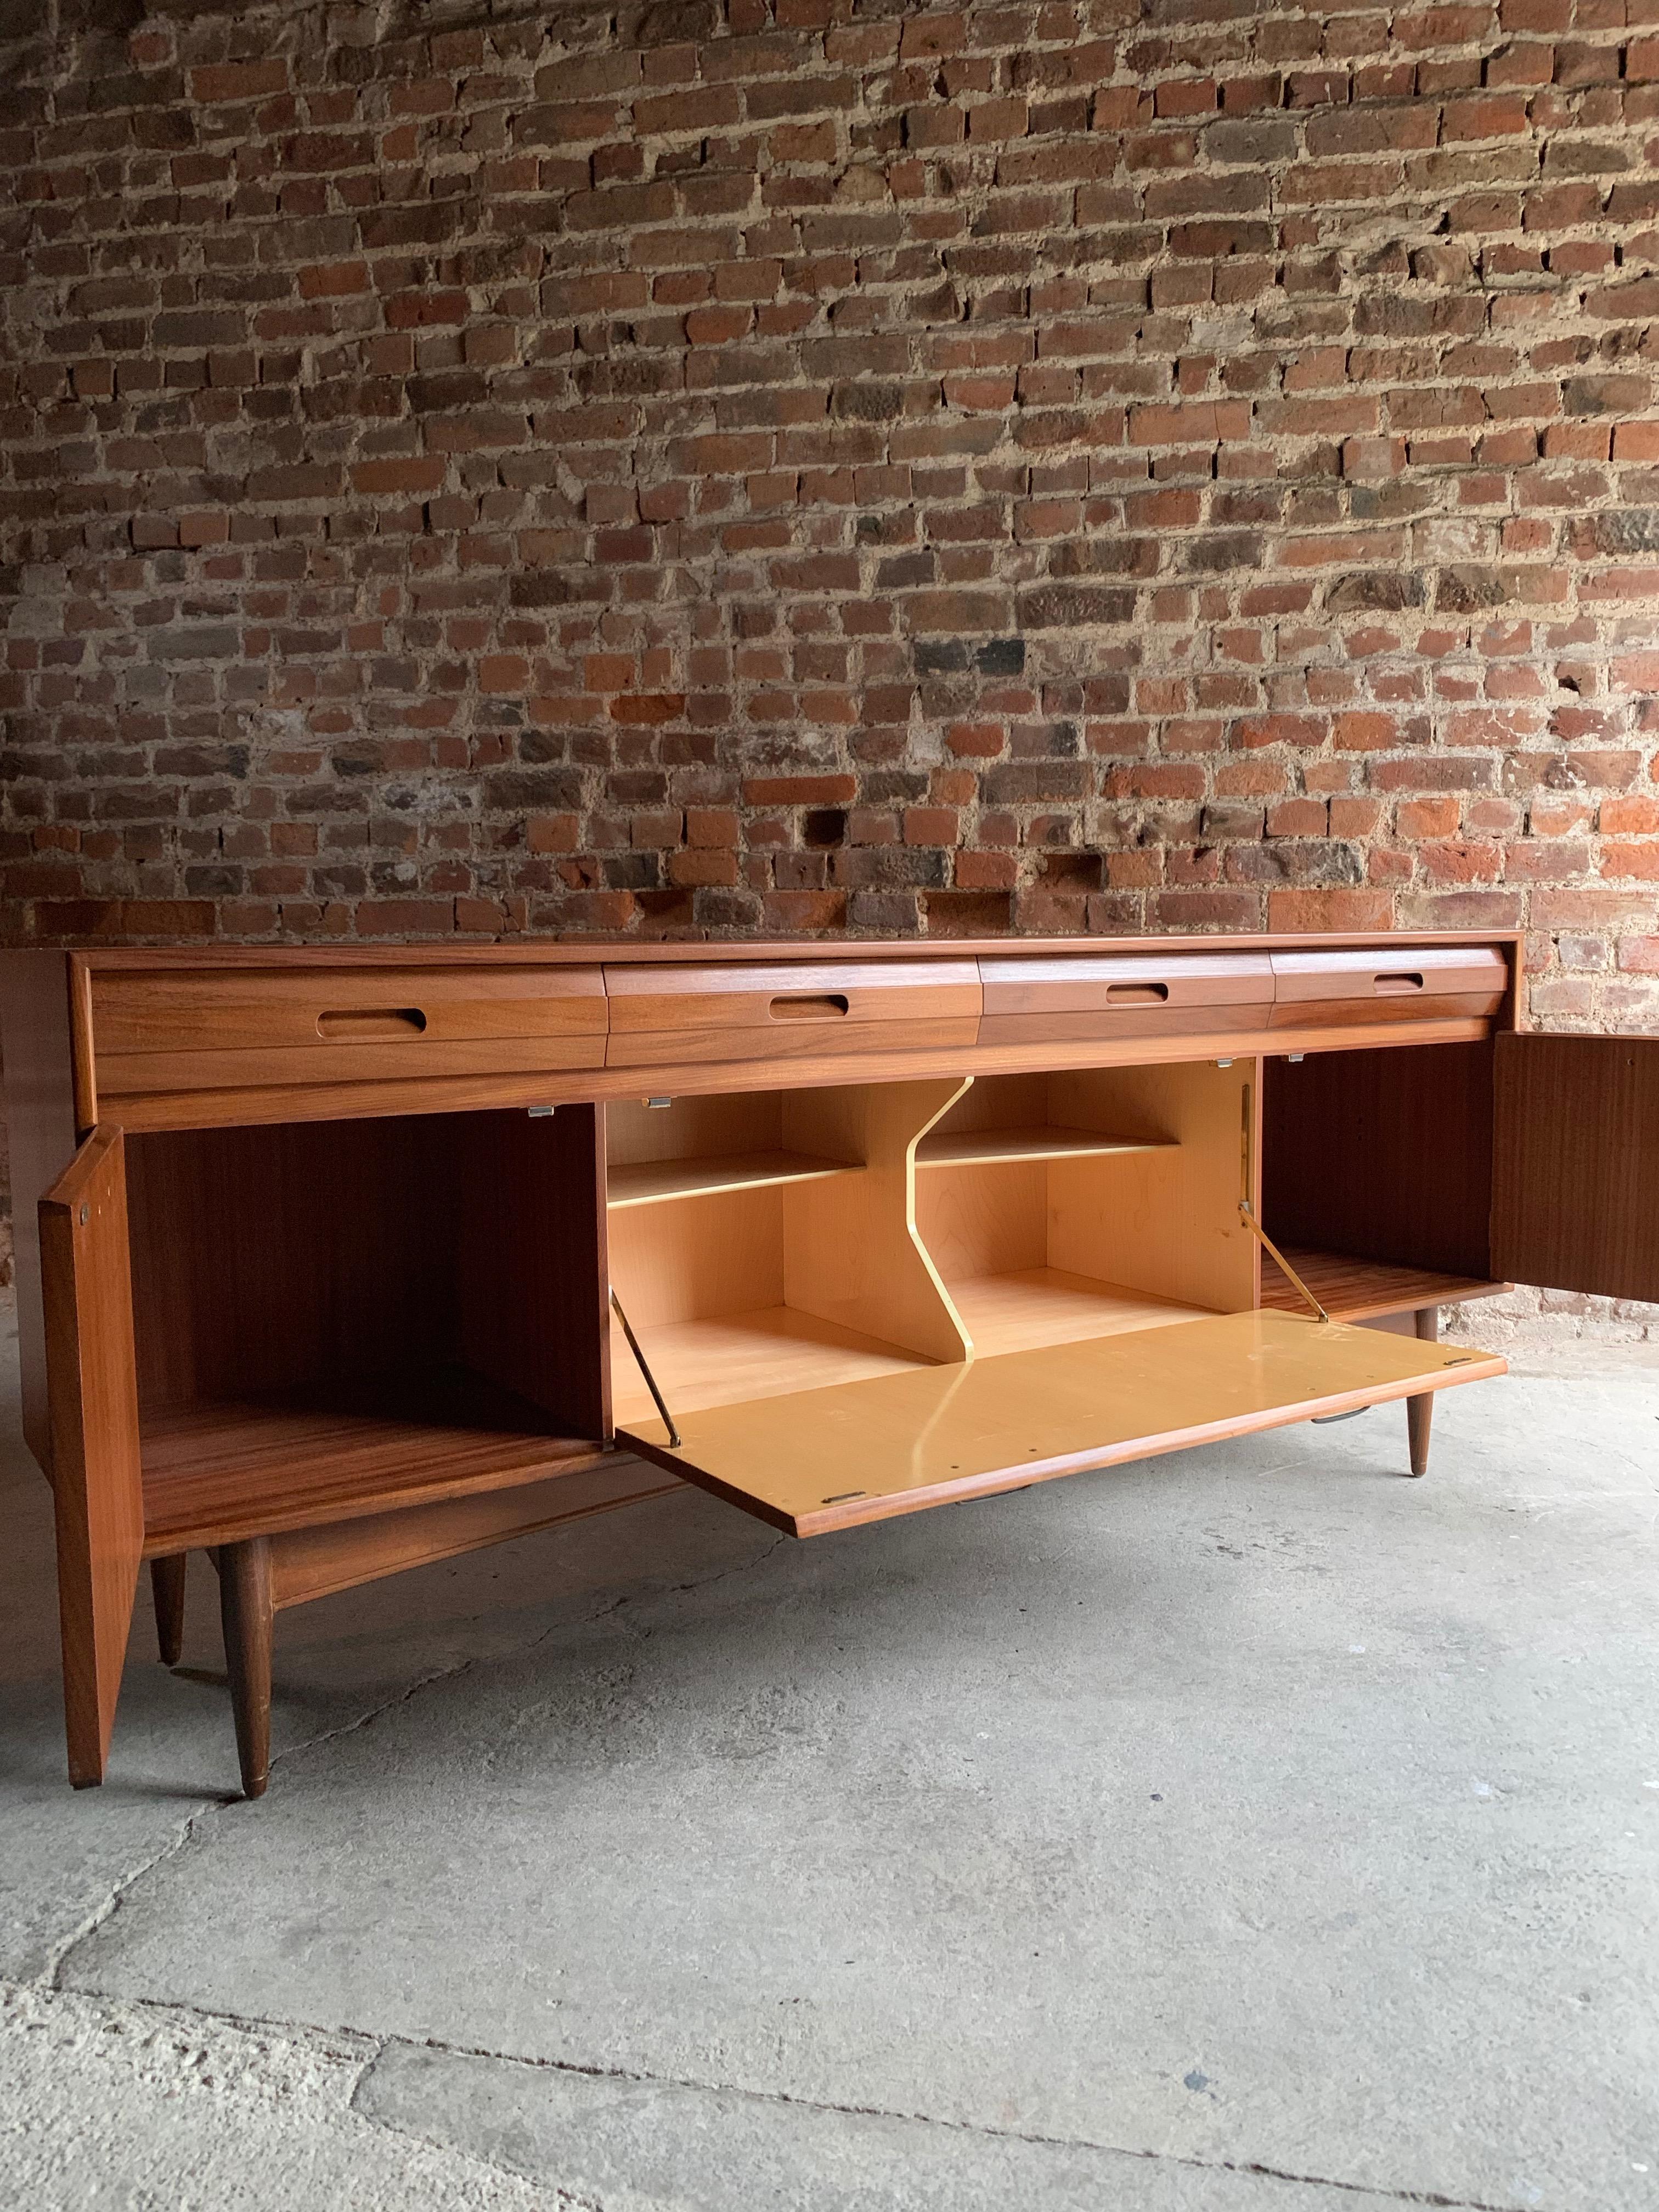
x=1245 y=1830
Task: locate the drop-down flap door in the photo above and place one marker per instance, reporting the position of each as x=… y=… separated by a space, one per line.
x=894 y=1443
x=97 y=1482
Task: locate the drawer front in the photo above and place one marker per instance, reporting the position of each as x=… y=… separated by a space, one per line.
x=1109 y=995
x=172 y=1030
x=1313 y=990
x=791 y=1011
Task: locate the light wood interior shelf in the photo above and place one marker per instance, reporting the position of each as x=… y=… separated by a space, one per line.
x=1033 y=1306
x=646 y=1183
x=760 y=1354
x=988 y=1147
x=1361 y=1290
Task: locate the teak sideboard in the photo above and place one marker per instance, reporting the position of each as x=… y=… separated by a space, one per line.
x=336 y=1262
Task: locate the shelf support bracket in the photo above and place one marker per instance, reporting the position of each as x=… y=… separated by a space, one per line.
x=650 y=1379
x=1267 y=1244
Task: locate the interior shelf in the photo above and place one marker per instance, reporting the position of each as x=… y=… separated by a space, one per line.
x=1361 y=1289
x=759 y=1354
x=645 y=1182
x=987 y=1147
x=1031 y=1307
x=216 y=1470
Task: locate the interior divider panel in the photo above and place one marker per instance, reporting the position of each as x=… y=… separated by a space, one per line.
x=1038 y=998
x=788 y=1011
x=1417 y=982
x=832 y=1458
x=170 y=1030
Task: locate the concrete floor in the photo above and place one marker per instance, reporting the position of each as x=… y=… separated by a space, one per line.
x=1252 y=1831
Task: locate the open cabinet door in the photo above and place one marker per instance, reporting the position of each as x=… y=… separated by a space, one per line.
x=860 y=1451
x=1576 y=1163
x=97 y=1483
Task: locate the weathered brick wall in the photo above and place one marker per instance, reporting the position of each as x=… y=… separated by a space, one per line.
x=812 y=466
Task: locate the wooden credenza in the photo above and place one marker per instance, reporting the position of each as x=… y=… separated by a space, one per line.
x=349 y=1260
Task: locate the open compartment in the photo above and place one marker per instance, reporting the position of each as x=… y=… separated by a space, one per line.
x=1067 y=1206
x=1376 y=1177
x=1015 y=1251
x=332 y=1318
x=760 y=1243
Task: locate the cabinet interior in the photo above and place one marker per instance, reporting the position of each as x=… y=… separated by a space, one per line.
x=766 y=1244
x=728 y=1225
x=418 y=1305
x=337 y=1308
x=1074 y=1205
x=1377 y=1175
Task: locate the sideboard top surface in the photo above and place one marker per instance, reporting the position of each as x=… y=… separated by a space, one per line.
x=585 y=951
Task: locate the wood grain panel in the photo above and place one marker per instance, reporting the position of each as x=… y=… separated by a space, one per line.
x=1382 y=1155
x=1420 y=983
x=853 y=1253
x=97 y=1477
x=310 y=1562
x=865 y=1451
x=987 y=1219
x=718 y=1254
x=41 y=1135
x=1575 y=1191
x=532 y=1281
x=1036 y=995
x=408 y=1010
x=691 y=1129
x=720 y=1012
x=1365 y=1289
x=580 y=951
x=895 y=1062
x=267 y=1259
x=1164 y=1220
x=221 y=1471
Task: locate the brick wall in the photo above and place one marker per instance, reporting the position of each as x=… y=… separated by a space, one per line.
x=799 y=465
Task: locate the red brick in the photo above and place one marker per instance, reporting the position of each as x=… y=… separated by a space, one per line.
x=740 y=549
x=224 y=80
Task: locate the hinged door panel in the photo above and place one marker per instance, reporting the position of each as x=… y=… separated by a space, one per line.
x=97 y=1482
x=895 y=1443
x=1576 y=1163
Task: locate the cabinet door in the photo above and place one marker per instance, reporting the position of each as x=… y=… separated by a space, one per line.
x=97 y=1484
x=1576 y=1163
x=851 y=1452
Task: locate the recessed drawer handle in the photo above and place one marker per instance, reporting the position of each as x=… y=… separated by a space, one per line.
x=371 y=1024
x=1137 y=994
x=806 y=1006
x=1392 y=986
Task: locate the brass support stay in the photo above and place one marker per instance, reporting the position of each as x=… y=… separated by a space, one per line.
x=650 y=1379
x=1257 y=1230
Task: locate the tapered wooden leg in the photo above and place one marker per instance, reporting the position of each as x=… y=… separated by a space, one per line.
x=245 y=1610
x=167 y=1586
x=1419 y=1410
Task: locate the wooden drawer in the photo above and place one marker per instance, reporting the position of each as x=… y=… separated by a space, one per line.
x=1028 y=1001
x=1413 y=984
x=788 y=1012
x=166 y=1029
